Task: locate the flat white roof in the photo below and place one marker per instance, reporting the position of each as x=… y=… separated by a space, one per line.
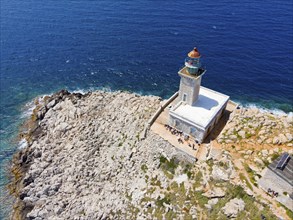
x=209 y=103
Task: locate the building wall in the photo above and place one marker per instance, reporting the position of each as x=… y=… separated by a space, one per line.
x=216 y=119
x=191 y=130
x=190 y=87
x=195 y=131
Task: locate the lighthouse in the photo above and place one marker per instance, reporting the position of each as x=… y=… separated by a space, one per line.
x=191 y=76
x=197 y=109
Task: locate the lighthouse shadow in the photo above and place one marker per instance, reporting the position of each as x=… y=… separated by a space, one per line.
x=219 y=127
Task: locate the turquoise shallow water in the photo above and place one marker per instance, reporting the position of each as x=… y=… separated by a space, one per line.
x=139 y=46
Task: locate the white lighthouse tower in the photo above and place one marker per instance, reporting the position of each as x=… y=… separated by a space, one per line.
x=191 y=78
x=198 y=109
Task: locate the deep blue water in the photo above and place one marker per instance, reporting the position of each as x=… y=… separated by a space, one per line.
x=140 y=45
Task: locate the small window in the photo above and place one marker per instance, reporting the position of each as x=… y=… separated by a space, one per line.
x=184 y=97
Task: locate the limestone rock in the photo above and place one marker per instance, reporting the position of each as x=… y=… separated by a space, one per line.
x=249 y=152
x=233 y=207
x=242 y=134
x=87 y=160
x=265 y=153
x=289 y=137
x=193 y=212
x=276 y=140
x=211 y=203
x=219 y=173
x=259 y=161
x=215 y=193
x=282 y=138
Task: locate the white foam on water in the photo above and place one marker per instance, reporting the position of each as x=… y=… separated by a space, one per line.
x=81 y=91
x=91 y=89
x=275 y=111
x=30 y=106
x=22 y=144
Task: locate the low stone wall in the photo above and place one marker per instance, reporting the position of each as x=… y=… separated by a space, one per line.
x=157 y=114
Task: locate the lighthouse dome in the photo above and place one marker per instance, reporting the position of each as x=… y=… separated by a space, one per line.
x=194 y=53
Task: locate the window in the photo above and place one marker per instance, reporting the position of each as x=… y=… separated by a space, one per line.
x=184 y=97
x=193 y=131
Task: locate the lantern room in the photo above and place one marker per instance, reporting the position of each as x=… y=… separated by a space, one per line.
x=192 y=62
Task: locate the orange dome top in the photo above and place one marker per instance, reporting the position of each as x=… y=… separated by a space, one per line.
x=194 y=53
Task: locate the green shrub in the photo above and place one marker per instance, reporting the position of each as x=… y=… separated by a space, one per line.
x=168 y=165
x=144 y=168
x=243 y=178
x=160 y=202
x=275 y=156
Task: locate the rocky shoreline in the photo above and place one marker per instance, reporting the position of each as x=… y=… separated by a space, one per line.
x=86 y=159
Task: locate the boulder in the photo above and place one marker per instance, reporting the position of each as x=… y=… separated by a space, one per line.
x=249 y=152
x=289 y=137
x=242 y=134
x=193 y=212
x=265 y=153
x=211 y=203
x=51 y=104
x=219 y=173
x=233 y=137
x=276 y=140
x=233 y=207
x=282 y=138
x=215 y=193
x=258 y=161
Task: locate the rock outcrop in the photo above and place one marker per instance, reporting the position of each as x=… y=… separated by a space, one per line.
x=86 y=159
x=87 y=155
x=250 y=125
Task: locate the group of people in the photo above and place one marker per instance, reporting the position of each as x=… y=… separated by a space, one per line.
x=176 y=132
x=173 y=131
x=272 y=192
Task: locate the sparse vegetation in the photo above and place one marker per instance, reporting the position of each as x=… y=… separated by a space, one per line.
x=251 y=174
x=160 y=201
x=144 y=168
x=288 y=211
x=155 y=182
x=224 y=165
x=168 y=165
x=187 y=170
x=275 y=156
x=198 y=179
x=243 y=178
x=251 y=211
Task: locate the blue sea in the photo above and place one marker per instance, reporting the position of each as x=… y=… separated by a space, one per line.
x=139 y=46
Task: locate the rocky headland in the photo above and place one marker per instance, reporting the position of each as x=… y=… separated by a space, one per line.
x=87 y=158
